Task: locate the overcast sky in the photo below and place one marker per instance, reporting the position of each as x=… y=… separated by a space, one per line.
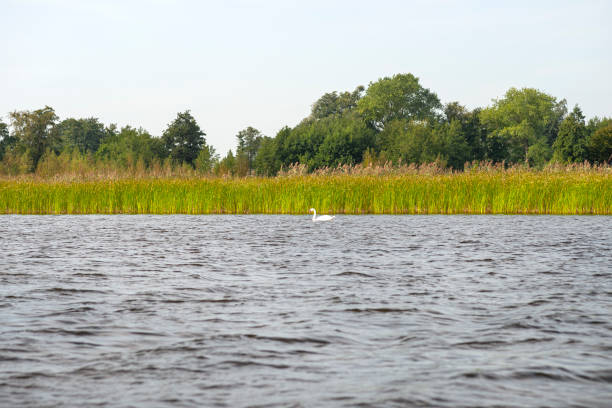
x=239 y=63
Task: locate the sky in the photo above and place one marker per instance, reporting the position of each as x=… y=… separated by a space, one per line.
x=239 y=63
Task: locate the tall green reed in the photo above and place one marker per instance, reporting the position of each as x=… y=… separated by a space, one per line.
x=473 y=192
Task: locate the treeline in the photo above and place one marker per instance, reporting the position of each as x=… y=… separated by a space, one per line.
x=394 y=121
x=39 y=142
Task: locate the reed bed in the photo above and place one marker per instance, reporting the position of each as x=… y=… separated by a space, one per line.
x=575 y=190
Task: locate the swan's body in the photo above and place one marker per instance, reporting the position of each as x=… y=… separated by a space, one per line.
x=320 y=217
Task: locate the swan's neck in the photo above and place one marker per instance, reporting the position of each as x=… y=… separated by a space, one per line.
x=314 y=215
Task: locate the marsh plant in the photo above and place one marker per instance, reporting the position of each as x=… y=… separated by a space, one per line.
x=427 y=189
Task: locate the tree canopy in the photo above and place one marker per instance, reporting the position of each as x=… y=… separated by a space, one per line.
x=184 y=139
x=82 y=134
x=571 y=142
x=333 y=103
x=249 y=140
x=6 y=140
x=34 y=131
x=394 y=120
x=524 y=121
x=600 y=145
x=400 y=97
x=129 y=146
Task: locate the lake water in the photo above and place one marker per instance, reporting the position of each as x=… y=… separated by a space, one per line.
x=236 y=311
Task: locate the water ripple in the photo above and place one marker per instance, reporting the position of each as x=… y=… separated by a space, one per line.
x=368 y=311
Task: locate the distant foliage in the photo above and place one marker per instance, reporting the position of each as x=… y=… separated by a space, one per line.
x=600 y=145
x=333 y=103
x=35 y=133
x=183 y=139
x=82 y=134
x=524 y=124
x=400 y=97
x=571 y=142
x=394 y=121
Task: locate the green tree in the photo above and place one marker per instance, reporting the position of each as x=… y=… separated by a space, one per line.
x=599 y=145
x=389 y=140
x=571 y=143
x=345 y=138
x=129 y=146
x=333 y=103
x=184 y=139
x=207 y=159
x=4 y=132
x=539 y=153
x=329 y=141
x=456 y=150
x=282 y=150
x=417 y=142
x=522 y=118
x=397 y=98
x=241 y=168
x=455 y=111
x=597 y=123
x=7 y=142
x=34 y=131
x=408 y=141
x=82 y=134
x=267 y=162
x=300 y=144
x=227 y=165
x=471 y=129
x=249 y=140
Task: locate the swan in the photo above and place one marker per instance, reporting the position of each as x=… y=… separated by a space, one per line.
x=320 y=217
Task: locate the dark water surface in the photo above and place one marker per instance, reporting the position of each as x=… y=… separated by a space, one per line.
x=236 y=311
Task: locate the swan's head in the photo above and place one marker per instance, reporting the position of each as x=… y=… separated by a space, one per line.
x=311 y=210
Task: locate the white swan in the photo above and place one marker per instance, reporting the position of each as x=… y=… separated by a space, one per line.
x=320 y=217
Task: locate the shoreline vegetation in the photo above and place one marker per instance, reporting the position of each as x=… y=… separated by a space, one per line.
x=482 y=188
x=392 y=120
x=392 y=147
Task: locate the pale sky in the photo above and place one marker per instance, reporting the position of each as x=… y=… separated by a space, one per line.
x=240 y=63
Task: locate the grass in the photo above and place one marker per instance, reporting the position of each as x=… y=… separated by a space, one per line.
x=565 y=190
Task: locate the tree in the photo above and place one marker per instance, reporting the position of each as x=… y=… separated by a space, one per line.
x=329 y=141
x=281 y=149
x=408 y=141
x=455 y=146
x=184 y=139
x=388 y=141
x=471 y=130
x=396 y=98
x=522 y=118
x=345 y=138
x=4 y=133
x=334 y=104
x=82 y=134
x=597 y=123
x=571 y=143
x=267 y=162
x=227 y=165
x=129 y=146
x=7 y=141
x=300 y=144
x=34 y=131
x=538 y=154
x=600 y=145
x=455 y=111
x=416 y=142
x=241 y=167
x=206 y=160
x=249 y=140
